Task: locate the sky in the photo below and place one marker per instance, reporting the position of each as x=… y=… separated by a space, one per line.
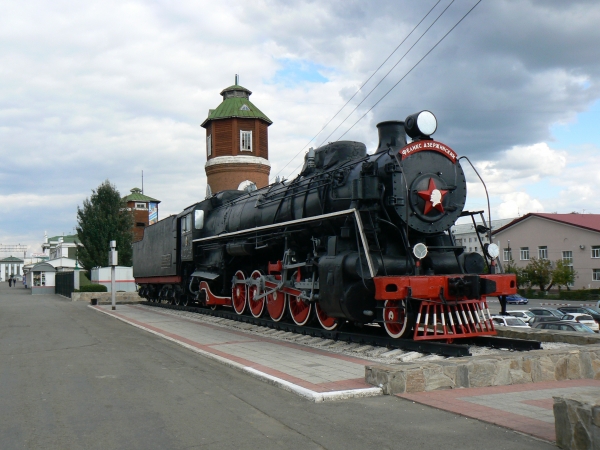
x=99 y=90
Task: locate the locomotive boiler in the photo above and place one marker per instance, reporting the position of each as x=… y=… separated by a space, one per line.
x=355 y=238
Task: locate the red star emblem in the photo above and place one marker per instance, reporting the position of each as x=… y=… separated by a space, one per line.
x=433 y=197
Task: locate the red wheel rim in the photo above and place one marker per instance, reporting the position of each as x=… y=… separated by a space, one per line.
x=238 y=293
x=299 y=310
x=276 y=304
x=256 y=306
x=329 y=323
x=394 y=318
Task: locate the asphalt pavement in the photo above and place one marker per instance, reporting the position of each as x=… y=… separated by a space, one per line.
x=71 y=378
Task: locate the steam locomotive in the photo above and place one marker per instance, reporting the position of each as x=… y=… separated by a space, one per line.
x=355 y=238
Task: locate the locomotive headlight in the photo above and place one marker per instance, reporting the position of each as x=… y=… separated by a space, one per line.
x=421 y=124
x=492 y=250
x=420 y=250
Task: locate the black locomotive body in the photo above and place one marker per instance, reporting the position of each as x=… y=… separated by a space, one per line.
x=356 y=237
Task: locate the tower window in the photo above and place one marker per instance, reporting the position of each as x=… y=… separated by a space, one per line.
x=244 y=108
x=245 y=141
x=209 y=145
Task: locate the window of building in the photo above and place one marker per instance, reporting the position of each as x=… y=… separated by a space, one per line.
x=567 y=257
x=596 y=274
x=209 y=145
x=140 y=224
x=524 y=253
x=140 y=206
x=543 y=252
x=244 y=107
x=507 y=254
x=475 y=248
x=595 y=251
x=245 y=141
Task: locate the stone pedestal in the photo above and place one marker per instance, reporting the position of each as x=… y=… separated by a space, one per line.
x=577 y=422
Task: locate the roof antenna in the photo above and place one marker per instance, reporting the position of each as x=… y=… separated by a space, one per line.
x=142 y=182
x=236 y=79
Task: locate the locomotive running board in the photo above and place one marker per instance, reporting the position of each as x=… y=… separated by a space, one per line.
x=345 y=212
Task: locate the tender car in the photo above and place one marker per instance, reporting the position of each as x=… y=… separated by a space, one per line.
x=585 y=319
x=516 y=299
x=522 y=314
x=509 y=321
x=564 y=326
x=582 y=310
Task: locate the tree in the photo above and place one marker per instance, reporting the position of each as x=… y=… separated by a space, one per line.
x=563 y=274
x=522 y=276
x=104 y=218
x=539 y=272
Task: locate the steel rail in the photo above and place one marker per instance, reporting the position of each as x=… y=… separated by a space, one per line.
x=365 y=338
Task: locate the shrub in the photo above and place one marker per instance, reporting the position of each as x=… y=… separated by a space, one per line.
x=93 y=288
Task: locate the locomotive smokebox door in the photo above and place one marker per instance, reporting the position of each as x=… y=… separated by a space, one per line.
x=435 y=197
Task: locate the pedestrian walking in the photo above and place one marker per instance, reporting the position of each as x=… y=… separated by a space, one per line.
x=10 y=282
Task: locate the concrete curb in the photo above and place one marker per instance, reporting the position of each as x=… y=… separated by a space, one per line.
x=549 y=336
x=104 y=298
x=308 y=394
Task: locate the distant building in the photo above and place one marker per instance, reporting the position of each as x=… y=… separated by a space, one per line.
x=466 y=235
x=145 y=211
x=572 y=238
x=10 y=266
x=60 y=246
x=237 y=143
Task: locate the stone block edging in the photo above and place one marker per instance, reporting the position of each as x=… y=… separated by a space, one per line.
x=577 y=421
x=105 y=297
x=489 y=370
x=549 y=335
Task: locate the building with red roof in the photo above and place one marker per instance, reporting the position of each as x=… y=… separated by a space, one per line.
x=573 y=238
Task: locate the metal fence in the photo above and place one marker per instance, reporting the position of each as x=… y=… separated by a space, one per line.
x=65 y=283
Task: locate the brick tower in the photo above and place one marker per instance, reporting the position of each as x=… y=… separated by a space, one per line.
x=237 y=143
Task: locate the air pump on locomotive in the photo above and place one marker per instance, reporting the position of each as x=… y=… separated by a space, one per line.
x=355 y=238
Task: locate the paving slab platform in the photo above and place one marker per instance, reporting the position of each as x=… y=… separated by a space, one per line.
x=317 y=375
x=527 y=408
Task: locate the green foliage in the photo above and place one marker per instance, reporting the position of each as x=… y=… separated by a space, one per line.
x=522 y=276
x=83 y=278
x=563 y=274
x=93 y=288
x=539 y=273
x=104 y=218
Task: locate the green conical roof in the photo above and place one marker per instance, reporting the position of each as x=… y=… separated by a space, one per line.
x=236 y=103
x=137 y=196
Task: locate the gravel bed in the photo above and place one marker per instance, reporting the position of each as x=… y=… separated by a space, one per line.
x=368 y=352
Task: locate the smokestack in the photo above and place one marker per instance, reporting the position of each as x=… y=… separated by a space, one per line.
x=392 y=135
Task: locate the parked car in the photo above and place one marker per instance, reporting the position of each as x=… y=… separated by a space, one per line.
x=522 y=314
x=509 y=321
x=539 y=319
x=585 y=319
x=516 y=299
x=564 y=326
x=582 y=310
x=547 y=312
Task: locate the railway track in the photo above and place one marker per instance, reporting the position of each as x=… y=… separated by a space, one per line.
x=367 y=335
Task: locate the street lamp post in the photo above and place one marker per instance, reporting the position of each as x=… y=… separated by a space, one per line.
x=112 y=261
